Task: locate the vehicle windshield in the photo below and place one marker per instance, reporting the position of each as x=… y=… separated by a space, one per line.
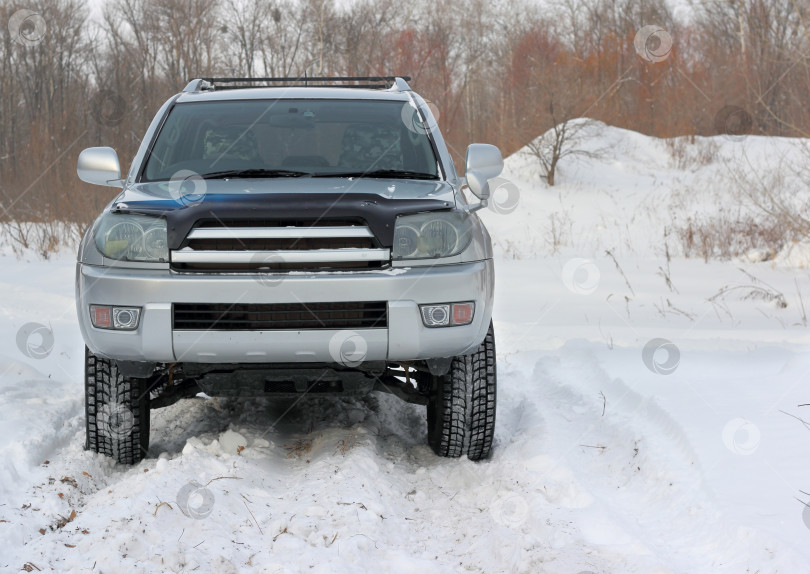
x=292 y=138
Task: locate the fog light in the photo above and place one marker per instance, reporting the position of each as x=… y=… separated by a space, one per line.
x=463 y=313
x=126 y=318
x=121 y=318
x=448 y=314
x=436 y=315
x=100 y=317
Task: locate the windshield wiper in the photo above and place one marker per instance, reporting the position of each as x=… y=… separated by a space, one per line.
x=253 y=173
x=392 y=173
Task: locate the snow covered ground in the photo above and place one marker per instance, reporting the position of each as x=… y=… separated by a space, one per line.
x=648 y=414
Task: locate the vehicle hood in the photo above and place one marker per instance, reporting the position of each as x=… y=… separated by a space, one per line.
x=377 y=201
x=387 y=188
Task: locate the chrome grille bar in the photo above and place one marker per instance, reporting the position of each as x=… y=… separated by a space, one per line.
x=281 y=256
x=278 y=232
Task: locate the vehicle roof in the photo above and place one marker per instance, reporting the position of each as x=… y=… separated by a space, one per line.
x=298 y=93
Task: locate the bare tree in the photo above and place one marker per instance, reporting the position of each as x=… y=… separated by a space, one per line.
x=565 y=139
x=247 y=31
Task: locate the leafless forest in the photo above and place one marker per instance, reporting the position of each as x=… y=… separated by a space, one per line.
x=497 y=72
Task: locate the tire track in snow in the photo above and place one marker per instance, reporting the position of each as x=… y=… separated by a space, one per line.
x=653 y=499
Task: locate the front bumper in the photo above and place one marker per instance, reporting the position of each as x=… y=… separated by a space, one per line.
x=404 y=289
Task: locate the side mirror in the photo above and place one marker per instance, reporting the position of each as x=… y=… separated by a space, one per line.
x=100 y=166
x=484 y=162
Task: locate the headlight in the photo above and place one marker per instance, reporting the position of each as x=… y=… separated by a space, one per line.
x=132 y=238
x=431 y=235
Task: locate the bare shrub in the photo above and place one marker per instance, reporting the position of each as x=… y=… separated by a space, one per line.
x=559 y=230
x=43 y=238
x=773 y=204
x=774 y=192
x=778 y=192
x=562 y=140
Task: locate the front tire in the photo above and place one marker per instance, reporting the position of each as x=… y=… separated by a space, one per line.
x=116 y=411
x=461 y=409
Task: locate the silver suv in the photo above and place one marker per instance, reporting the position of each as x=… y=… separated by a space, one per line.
x=292 y=240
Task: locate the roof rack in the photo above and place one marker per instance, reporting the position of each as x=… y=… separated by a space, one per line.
x=400 y=83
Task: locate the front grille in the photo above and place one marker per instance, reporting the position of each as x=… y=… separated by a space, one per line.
x=279 y=316
x=260 y=246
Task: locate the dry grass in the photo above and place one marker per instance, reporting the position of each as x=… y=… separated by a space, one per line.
x=689 y=153
x=44 y=238
x=769 y=205
x=299 y=448
x=348 y=443
x=559 y=230
x=725 y=237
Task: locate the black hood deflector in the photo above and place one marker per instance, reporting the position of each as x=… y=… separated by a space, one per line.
x=378 y=212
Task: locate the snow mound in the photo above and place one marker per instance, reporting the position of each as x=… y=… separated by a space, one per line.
x=634 y=194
